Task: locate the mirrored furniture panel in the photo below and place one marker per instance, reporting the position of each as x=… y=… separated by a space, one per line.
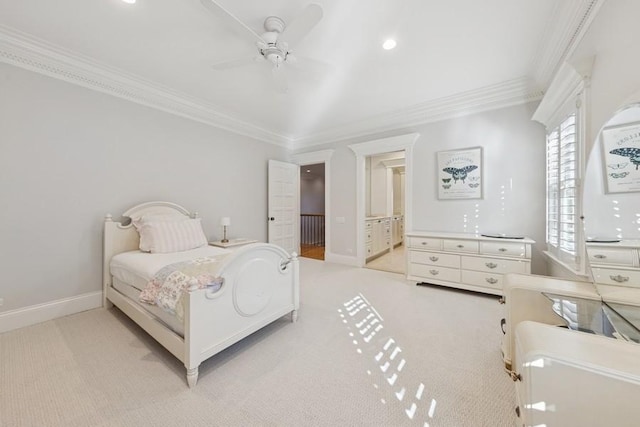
x=612 y=202
x=613 y=320
x=524 y=299
x=616 y=262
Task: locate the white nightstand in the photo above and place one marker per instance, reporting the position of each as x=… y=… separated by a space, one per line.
x=232 y=243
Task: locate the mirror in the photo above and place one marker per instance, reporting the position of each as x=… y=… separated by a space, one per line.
x=611 y=205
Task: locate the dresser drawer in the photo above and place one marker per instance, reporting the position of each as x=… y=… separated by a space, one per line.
x=434 y=258
x=495 y=265
x=512 y=249
x=618 y=277
x=368 y=235
x=368 y=225
x=460 y=245
x=425 y=243
x=486 y=280
x=613 y=256
x=434 y=272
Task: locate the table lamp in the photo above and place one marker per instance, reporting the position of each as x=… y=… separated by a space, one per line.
x=225 y=221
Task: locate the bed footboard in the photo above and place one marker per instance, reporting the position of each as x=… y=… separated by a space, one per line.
x=261 y=284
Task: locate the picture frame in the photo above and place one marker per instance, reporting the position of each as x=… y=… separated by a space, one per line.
x=621 y=158
x=460 y=174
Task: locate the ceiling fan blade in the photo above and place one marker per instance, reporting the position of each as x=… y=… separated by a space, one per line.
x=240 y=27
x=238 y=62
x=302 y=24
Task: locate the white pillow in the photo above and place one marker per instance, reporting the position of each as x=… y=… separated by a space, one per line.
x=173 y=236
x=145 y=239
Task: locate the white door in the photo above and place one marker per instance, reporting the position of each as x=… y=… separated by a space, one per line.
x=284 y=189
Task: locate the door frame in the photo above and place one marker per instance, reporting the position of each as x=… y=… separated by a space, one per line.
x=380 y=146
x=312 y=158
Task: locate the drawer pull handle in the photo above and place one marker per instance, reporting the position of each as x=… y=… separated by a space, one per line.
x=460 y=246
x=599 y=256
x=424 y=243
x=434 y=272
x=434 y=258
x=491 y=264
x=491 y=280
x=503 y=249
x=619 y=278
x=503 y=324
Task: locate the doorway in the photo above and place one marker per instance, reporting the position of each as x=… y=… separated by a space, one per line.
x=312 y=211
x=384 y=211
x=403 y=143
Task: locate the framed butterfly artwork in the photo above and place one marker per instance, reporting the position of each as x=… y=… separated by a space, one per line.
x=621 y=154
x=459 y=174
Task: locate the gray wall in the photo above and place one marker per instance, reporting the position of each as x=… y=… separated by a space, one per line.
x=514 y=179
x=311 y=194
x=69 y=155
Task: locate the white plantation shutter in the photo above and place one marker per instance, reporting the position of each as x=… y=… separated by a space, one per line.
x=562 y=191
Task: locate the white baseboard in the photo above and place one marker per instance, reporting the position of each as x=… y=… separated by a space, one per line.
x=27 y=316
x=341 y=259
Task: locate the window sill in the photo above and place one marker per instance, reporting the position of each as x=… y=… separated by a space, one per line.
x=579 y=275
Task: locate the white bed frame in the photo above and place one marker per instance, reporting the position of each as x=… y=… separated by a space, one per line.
x=261 y=284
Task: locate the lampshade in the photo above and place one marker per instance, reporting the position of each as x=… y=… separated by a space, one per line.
x=225 y=221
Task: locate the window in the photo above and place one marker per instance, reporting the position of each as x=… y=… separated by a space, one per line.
x=563 y=160
x=564 y=113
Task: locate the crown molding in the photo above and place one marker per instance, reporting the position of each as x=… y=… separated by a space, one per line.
x=501 y=95
x=567 y=83
x=22 y=50
x=562 y=35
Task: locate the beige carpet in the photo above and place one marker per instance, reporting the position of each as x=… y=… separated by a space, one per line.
x=369 y=349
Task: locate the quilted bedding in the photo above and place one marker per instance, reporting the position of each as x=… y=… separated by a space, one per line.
x=168 y=285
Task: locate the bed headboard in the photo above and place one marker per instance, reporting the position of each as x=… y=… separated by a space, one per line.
x=123 y=236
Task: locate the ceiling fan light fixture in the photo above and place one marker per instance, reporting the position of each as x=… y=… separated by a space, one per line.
x=389 y=44
x=274 y=55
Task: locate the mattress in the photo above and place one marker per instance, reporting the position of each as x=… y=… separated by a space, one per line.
x=134 y=269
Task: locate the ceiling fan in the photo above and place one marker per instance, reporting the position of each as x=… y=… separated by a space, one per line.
x=273 y=45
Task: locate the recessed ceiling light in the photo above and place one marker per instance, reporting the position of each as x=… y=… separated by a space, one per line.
x=308 y=170
x=129 y=1
x=389 y=44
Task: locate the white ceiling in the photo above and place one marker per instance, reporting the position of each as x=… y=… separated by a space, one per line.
x=449 y=51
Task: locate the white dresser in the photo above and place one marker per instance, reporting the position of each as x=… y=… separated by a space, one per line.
x=616 y=263
x=377 y=236
x=465 y=261
x=570 y=378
